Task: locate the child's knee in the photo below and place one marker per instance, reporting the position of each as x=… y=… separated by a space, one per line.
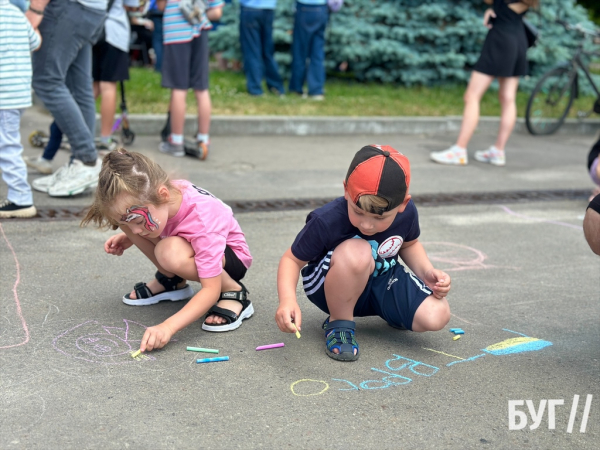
x=355 y=255
x=432 y=315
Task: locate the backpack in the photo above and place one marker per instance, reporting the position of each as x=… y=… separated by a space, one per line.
x=335 y=5
x=193 y=10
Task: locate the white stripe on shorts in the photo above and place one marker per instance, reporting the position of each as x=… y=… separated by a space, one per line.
x=419 y=283
x=313 y=282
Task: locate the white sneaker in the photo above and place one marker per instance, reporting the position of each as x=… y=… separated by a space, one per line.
x=77 y=178
x=492 y=155
x=40 y=164
x=43 y=183
x=171 y=149
x=454 y=156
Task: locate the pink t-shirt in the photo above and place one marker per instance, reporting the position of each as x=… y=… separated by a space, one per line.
x=208 y=225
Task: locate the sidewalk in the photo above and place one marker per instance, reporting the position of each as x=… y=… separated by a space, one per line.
x=524 y=289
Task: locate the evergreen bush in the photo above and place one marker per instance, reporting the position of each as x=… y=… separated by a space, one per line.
x=410 y=42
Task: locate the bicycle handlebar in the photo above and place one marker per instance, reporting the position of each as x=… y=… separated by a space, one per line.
x=578 y=27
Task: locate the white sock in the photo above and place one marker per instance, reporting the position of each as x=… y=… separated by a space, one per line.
x=176 y=139
x=456 y=148
x=105 y=139
x=202 y=138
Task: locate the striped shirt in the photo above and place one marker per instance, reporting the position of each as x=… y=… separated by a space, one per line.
x=17 y=40
x=177 y=30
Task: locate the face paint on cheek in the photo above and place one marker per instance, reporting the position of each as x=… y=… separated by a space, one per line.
x=140 y=211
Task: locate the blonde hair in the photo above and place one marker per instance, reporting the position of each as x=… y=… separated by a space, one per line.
x=128 y=173
x=372 y=204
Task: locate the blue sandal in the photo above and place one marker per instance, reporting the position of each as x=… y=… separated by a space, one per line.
x=340 y=334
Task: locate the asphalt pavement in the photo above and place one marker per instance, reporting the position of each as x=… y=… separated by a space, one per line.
x=524 y=290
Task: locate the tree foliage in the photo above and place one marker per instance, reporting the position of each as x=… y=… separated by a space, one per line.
x=410 y=42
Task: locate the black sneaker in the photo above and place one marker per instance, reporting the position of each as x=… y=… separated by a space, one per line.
x=9 y=209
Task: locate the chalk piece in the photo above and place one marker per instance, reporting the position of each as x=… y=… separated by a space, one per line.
x=266 y=347
x=452 y=330
x=459 y=332
x=456 y=338
x=203 y=350
x=136 y=354
x=209 y=360
x=297 y=332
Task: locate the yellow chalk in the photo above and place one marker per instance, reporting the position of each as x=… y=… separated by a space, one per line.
x=297 y=332
x=136 y=354
x=456 y=338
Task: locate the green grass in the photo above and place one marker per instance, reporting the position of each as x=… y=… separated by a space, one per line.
x=343 y=98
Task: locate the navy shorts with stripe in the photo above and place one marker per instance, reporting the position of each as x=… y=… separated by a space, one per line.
x=394 y=295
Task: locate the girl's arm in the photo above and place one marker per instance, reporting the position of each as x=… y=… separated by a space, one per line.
x=158 y=336
x=413 y=254
x=287 y=280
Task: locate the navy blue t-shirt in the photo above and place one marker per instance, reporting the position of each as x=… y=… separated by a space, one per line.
x=329 y=226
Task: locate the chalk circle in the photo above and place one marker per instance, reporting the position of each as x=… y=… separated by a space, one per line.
x=450 y=256
x=313 y=381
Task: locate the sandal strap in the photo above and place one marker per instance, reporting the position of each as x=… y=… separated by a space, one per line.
x=226 y=314
x=240 y=296
x=347 y=324
x=142 y=290
x=170 y=284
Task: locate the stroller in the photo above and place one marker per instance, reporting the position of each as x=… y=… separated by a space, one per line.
x=40 y=138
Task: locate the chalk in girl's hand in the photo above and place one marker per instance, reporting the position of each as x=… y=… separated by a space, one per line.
x=297 y=332
x=136 y=354
x=266 y=347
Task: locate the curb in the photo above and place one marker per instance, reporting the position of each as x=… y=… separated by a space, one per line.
x=151 y=124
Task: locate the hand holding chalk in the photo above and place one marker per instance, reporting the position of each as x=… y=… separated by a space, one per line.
x=297 y=332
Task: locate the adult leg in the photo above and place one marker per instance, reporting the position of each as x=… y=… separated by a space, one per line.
x=316 y=67
x=67 y=30
x=478 y=85
x=250 y=40
x=108 y=106
x=157 y=42
x=272 y=75
x=300 y=48
x=507 y=94
x=54 y=142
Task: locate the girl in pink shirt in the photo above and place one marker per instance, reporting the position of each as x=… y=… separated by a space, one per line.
x=186 y=232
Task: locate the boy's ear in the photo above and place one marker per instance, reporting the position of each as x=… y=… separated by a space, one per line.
x=402 y=207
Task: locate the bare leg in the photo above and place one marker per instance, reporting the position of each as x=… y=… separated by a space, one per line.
x=148 y=248
x=204 y=111
x=177 y=109
x=507 y=95
x=478 y=85
x=108 y=106
x=432 y=315
x=349 y=271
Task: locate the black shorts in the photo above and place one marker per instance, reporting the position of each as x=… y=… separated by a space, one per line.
x=185 y=66
x=109 y=63
x=394 y=295
x=233 y=266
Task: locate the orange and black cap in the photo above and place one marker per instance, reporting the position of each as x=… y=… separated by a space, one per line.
x=379 y=170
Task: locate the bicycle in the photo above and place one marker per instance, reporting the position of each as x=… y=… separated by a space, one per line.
x=553 y=95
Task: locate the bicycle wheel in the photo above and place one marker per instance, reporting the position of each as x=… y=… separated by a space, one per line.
x=550 y=101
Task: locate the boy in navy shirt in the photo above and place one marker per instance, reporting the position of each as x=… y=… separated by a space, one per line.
x=348 y=256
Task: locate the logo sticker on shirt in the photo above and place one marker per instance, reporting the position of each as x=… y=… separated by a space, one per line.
x=390 y=247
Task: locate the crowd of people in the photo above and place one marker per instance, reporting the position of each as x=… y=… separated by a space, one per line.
x=348 y=250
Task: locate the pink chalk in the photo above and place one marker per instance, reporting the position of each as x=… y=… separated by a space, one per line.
x=266 y=347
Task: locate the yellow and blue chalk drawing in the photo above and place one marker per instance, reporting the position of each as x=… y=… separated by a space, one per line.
x=510 y=346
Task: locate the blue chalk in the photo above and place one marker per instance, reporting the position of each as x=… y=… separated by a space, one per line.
x=452 y=330
x=208 y=360
x=459 y=332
